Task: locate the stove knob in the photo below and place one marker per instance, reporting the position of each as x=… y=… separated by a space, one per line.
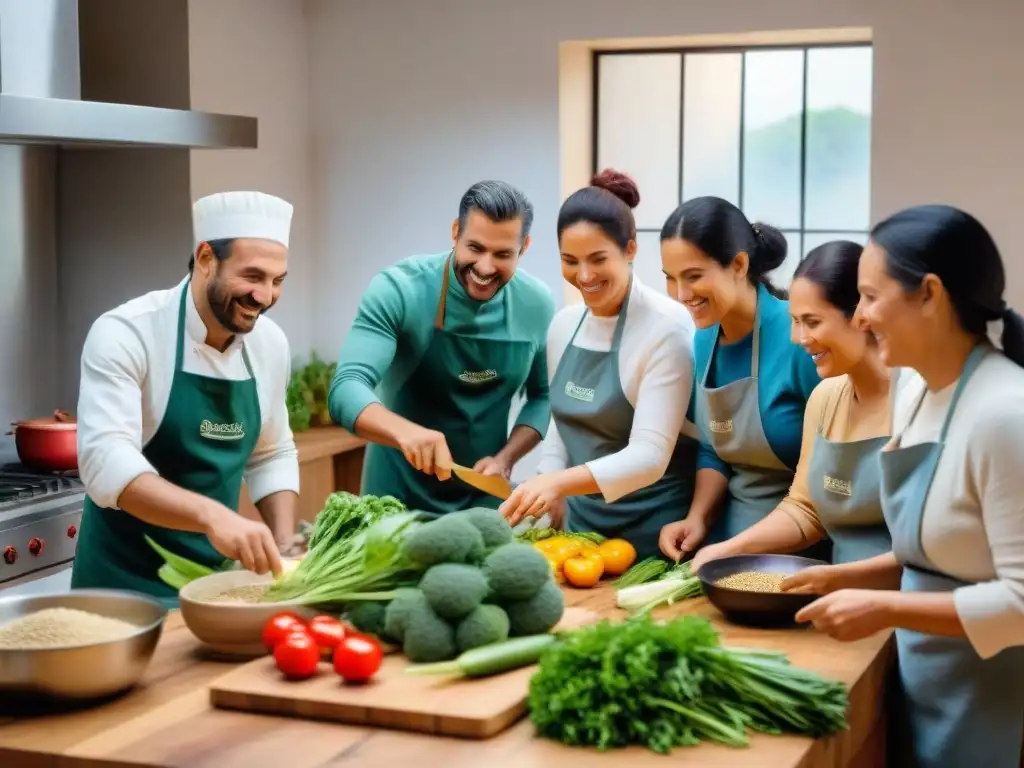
x=10 y=555
x=36 y=546
x=72 y=531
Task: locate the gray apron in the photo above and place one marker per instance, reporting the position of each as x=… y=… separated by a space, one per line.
x=594 y=419
x=731 y=418
x=844 y=484
x=964 y=712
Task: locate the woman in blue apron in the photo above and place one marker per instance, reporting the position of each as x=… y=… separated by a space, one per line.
x=752 y=381
x=847 y=422
x=931 y=281
x=621 y=373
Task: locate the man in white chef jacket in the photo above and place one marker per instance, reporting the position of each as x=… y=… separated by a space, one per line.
x=182 y=396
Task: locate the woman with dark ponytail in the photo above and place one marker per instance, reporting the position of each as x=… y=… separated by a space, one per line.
x=752 y=382
x=620 y=456
x=931 y=282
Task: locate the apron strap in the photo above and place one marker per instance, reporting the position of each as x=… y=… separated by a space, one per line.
x=973 y=360
x=755 y=346
x=620 y=322
x=443 y=299
x=893 y=377
x=179 y=354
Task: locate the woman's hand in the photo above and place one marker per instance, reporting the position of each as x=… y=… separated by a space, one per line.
x=537 y=496
x=850 y=614
x=682 y=537
x=710 y=552
x=816 y=580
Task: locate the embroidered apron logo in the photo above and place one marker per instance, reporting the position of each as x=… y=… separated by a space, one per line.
x=842 y=487
x=478 y=377
x=579 y=393
x=212 y=431
x=720 y=427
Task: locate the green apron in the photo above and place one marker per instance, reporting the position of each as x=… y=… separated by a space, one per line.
x=594 y=419
x=463 y=387
x=203 y=443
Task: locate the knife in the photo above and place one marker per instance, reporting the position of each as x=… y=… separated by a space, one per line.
x=492 y=484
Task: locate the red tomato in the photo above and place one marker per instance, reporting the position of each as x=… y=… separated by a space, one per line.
x=297 y=655
x=327 y=631
x=357 y=658
x=278 y=626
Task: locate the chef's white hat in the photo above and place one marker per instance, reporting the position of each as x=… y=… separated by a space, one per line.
x=228 y=215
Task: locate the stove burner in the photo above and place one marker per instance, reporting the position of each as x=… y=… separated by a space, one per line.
x=19 y=483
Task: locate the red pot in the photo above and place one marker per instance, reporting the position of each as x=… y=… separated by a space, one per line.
x=50 y=443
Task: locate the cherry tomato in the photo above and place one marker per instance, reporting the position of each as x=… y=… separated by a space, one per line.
x=357 y=658
x=297 y=655
x=327 y=631
x=278 y=626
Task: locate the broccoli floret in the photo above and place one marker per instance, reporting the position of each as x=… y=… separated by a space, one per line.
x=449 y=539
x=485 y=625
x=396 y=615
x=538 y=614
x=428 y=637
x=453 y=590
x=491 y=524
x=516 y=572
x=368 y=617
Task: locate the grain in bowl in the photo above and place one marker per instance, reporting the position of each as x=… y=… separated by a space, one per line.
x=61 y=628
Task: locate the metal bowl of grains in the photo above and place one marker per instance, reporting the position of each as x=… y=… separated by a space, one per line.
x=224 y=611
x=746 y=588
x=76 y=646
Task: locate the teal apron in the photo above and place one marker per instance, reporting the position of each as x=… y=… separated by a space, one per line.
x=203 y=444
x=844 y=483
x=594 y=419
x=463 y=388
x=731 y=421
x=964 y=712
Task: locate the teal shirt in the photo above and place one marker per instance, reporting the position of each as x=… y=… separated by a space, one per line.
x=395 y=322
x=786 y=378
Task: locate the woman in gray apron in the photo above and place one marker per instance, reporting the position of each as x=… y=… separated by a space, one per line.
x=931 y=281
x=752 y=381
x=848 y=420
x=622 y=369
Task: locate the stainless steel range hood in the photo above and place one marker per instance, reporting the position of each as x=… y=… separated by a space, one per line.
x=65 y=85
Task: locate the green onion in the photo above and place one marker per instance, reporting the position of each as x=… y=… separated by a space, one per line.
x=642 y=572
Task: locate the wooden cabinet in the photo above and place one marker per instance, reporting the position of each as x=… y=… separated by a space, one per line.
x=330 y=459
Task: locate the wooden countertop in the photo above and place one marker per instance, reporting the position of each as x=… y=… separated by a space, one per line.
x=167 y=720
x=318 y=442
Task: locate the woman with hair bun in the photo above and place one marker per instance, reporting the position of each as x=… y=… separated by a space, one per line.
x=848 y=420
x=931 y=281
x=752 y=381
x=621 y=452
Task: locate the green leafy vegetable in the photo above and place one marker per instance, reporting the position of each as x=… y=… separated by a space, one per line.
x=678 y=583
x=642 y=572
x=673 y=684
x=539 y=534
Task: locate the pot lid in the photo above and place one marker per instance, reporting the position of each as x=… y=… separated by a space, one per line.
x=60 y=421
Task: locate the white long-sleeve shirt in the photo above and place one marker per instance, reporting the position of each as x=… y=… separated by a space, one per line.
x=973 y=525
x=656 y=374
x=127 y=368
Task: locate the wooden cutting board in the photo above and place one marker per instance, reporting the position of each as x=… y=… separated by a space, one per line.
x=470 y=708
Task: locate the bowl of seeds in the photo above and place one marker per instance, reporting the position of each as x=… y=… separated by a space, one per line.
x=746 y=588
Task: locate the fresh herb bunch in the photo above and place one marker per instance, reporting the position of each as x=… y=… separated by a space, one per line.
x=673 y=684
x=344 y=514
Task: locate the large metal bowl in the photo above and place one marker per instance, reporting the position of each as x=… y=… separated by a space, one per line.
x=84 y=672
x=230 y=629
x=762 y=609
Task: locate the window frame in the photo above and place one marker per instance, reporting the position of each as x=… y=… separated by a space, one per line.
x=802 y=231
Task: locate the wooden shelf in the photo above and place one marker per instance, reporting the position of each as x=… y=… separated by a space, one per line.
x=330 y=460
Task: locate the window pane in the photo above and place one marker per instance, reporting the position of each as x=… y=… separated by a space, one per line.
x=813 y=240
x=638 y=127
x=772 y=117
x=838 y=164
x=782 y=276
x=647 y=264
x=711 y=125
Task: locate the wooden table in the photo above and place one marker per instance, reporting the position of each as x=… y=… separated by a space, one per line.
x=167 y=721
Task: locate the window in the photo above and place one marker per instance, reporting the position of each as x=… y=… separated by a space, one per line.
x=784 y=133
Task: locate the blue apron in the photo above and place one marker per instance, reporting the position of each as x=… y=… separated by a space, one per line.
x=844 y=484
x=731 y=421
x=963 y=711
x=594 y=419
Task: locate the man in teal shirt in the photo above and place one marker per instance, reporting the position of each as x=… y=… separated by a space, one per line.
x=440 y=347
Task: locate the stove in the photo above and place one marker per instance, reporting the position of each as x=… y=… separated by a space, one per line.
x=40 y=514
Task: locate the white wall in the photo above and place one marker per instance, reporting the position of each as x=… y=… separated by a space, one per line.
x=250 y=57
x=413 y=101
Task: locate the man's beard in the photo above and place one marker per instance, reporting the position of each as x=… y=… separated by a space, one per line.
x=462 y=272
x=223 y=305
